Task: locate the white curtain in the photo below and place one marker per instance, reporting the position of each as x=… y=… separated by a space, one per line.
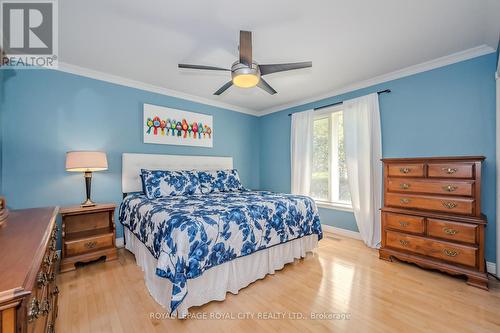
x=363 y=151
x=301 y=151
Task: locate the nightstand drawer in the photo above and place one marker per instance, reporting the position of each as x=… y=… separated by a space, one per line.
x=88 y=245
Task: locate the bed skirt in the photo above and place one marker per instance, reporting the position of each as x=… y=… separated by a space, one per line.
x=217 y=281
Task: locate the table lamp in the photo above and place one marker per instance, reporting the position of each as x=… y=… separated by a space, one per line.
x=86 y=162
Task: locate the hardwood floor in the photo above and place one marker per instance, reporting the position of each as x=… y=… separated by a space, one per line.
x=341 y=276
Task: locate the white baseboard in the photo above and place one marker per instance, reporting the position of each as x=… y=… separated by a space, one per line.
x=341 y=232
x=119 y=242
x=491 y=267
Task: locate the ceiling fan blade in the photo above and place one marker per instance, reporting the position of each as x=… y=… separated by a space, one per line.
x=274 y=68
x=211 y=68
x=265 y=86
x=246 y=47
x=223 y=88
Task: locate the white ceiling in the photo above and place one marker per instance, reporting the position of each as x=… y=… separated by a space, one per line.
x=347 y=41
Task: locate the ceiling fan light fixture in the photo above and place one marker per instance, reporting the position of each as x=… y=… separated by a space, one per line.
x=246 y=80
x=245 y=76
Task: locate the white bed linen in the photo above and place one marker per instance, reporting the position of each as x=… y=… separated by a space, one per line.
x=217 y=281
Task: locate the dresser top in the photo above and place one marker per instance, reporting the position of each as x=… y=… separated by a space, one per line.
x=22 y=246
x=436 y=159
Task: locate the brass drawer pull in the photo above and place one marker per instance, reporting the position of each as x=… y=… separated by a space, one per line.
x=404 y=242
x=47 y=261
x=41 y=280
x=404 y=186
x=449 y=171
x=90 y=245
x=450 y=231
x=450 y=188
x=50 y=328
x=404 y=224
x=55 y=291
x=450 y=253
x=404 y=201
x=45 y=307
x=34 y=310
x=449 y=205
x=404 y=170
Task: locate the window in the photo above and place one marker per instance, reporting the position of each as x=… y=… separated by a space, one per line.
x=329 y=178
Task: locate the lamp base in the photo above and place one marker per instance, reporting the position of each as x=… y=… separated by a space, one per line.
x=88 y=182
x=87 y=203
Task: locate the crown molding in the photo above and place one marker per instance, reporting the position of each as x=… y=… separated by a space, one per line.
x=411 y=70
x=93 y=74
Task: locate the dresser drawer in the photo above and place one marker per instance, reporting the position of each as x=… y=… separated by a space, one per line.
x=430 y=186
x=460 y=232
x=88 y=245
x=450 y=170
x=405 y=223
x=460 y=254
x=406 y=170
x=440 y=204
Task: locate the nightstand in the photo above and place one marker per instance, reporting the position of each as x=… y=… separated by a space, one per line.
x=88 y=233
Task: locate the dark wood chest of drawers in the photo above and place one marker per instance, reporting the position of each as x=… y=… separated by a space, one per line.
x=28 y=268
x=432 y=215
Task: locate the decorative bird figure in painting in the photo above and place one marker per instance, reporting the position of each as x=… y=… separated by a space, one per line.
x=163 y=124
x=178 y=127
x=195 y=129
x=185 y=127
x=200 y=130
x=172 y=126
x=156 y=124
x=207 y=131
x=149 y=124
x=168 y=126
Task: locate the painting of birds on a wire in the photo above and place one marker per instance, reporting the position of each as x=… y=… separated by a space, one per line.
x=163 y=125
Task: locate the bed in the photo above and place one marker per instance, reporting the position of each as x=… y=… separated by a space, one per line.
x=195 y=248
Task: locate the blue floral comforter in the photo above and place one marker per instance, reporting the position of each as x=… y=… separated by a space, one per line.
x=190 y=234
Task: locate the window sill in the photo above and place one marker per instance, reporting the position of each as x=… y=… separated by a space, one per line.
x=335 y=206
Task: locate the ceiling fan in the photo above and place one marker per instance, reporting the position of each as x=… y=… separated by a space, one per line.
x=247 y=73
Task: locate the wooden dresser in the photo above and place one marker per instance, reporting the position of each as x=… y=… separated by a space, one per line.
x=432 y=215
x=28 y=268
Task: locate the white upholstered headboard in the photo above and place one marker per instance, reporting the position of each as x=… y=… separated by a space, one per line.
x=133 y=163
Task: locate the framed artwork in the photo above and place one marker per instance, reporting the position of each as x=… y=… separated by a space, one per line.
x=169 y=126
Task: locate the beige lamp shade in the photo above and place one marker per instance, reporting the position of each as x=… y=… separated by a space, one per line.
x=85 y=161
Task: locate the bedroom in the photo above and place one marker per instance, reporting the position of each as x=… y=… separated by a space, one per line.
x=211 y=206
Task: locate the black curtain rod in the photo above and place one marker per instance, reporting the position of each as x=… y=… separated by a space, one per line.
x=386 y=91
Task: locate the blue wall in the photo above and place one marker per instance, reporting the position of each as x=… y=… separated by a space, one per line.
x=47 y=113
x=446 y=111
x=442 y=112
